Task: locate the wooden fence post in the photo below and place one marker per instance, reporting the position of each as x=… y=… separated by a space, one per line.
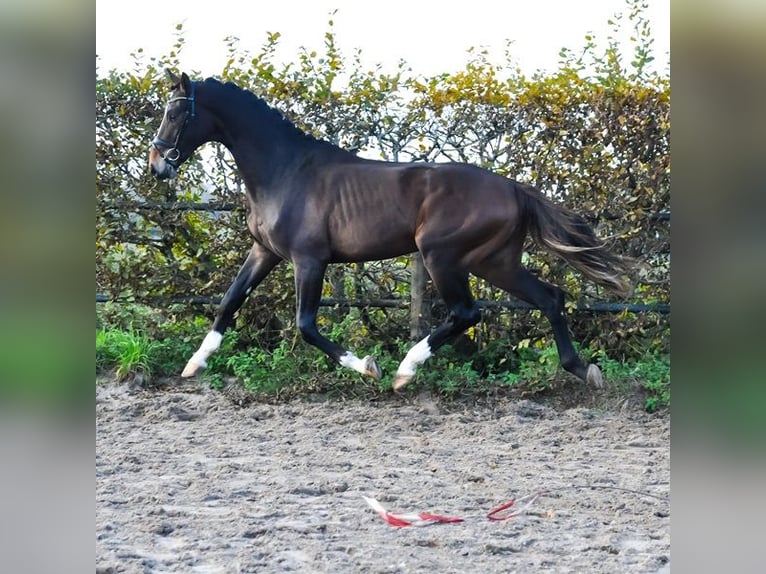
x=336 y=276
x=420 y=300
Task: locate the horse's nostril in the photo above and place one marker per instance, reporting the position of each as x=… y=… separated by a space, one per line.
x=152 y=170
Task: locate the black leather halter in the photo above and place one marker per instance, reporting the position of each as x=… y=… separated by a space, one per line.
x=171 y=153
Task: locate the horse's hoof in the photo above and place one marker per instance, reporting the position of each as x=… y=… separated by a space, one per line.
x=594 y=377
x=371 y=367
x=192 y=368
x=400 y=381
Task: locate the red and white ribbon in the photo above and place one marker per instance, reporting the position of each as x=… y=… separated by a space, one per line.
x=495 y=513
x=409 y=518
x=401 y=519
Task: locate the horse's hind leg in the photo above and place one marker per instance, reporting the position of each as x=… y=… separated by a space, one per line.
x=452 y=285
x=258 y=264
x=550 y=300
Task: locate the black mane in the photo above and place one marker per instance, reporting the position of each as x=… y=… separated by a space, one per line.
x=246 y=102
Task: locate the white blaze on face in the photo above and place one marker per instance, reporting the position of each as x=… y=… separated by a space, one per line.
x=417 y=355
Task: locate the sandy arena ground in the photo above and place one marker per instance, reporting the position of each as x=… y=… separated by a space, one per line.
x=189 y=481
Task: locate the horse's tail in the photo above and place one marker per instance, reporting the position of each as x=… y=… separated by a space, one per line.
x=566 y=234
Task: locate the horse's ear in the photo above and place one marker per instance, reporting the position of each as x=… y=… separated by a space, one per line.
x=185 y=83
x=174 y=80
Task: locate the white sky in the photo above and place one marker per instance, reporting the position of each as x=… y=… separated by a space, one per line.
x=432 y=36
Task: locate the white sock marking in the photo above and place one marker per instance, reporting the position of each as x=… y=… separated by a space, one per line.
x=417 y=355
x=210 y=344
x=351 y=361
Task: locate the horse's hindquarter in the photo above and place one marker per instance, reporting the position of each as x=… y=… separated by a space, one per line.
x=470 y=214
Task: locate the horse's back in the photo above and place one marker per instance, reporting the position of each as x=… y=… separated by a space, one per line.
x=377 y=210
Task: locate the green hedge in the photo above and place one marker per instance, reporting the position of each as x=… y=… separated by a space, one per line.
x=594 y=135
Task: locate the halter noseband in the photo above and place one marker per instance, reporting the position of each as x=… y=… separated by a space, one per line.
x=172 y=154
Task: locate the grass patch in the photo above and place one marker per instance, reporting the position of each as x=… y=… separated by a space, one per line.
x=293 y=368
x=127 y=352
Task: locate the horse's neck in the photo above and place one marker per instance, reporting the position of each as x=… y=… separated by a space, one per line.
x=256 y=142
x=266 y=147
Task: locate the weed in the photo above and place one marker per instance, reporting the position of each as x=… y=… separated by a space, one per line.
x=652 y=372
x=537 y=368
x=448 y=372
x=655 y=377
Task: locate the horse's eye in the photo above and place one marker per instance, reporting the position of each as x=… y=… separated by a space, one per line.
x=172 y=117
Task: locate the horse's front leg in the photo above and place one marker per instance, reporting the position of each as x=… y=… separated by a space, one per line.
x=260 y=261
x=309 y=275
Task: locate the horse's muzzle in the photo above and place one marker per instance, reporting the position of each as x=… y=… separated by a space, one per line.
x=166 y=172
x=160 y=167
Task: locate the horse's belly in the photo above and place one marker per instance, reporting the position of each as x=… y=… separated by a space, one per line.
x=370 y=244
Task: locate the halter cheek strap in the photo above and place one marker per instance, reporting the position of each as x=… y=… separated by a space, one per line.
x=172 y=154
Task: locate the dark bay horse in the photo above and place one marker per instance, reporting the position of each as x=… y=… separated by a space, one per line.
x=313 y=203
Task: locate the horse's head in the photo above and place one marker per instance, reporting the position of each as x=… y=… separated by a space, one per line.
x=176 y=139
